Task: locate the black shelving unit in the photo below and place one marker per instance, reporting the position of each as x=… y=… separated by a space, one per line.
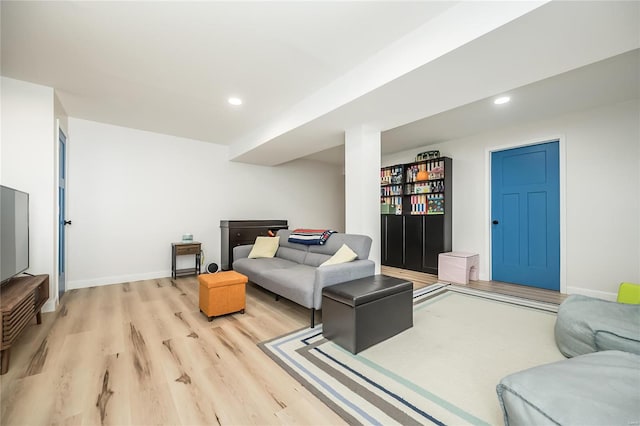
x=414 y=236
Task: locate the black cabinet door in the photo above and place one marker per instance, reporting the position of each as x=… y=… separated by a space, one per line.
x=413 y=242
x=433 y=242
x=383 y=239
x=392 y=251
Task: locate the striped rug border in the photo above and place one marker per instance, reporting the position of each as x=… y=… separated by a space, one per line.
x=309 y=338
x=439 y=288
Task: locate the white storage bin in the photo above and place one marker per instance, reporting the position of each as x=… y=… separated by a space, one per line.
x=458 y=267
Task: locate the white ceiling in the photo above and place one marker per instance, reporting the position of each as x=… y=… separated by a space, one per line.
x=607 y=82
x=421 y=72
x=169 y=67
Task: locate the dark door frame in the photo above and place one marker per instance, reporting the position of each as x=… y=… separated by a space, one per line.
x=486 y=264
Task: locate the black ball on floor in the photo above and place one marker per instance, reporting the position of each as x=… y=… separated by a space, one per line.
x=212 y=268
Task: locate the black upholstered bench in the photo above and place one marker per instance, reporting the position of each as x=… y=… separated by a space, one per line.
x=360 y=313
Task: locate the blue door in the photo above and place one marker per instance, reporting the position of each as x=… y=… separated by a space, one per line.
x=62 y=214
x=525 y=211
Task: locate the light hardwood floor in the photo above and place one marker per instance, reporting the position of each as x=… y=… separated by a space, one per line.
x=141 y=353
x=421 y=279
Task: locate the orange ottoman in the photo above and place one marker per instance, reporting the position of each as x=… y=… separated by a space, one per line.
x=222 y=293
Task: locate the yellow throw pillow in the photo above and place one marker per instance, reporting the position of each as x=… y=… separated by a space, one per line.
x=264 y=247
x=343 y=255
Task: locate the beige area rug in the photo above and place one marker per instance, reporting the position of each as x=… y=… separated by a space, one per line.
x=444 y=370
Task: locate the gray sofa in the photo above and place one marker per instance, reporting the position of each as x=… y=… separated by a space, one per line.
x=294 y=271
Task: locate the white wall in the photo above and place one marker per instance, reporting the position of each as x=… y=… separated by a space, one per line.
x=61 y=115
x=602 y=193
x=27 y=155
x=132 y=193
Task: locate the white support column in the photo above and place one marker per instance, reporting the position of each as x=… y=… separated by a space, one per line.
x=362 y=186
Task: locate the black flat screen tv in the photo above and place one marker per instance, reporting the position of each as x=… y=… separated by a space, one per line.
x=14 y=232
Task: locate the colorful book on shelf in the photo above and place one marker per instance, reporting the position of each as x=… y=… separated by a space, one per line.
x=418 y=204
x=436 y=204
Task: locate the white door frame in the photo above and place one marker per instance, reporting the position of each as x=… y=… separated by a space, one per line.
x=563 y=204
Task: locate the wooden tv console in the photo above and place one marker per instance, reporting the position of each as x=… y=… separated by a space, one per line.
x=20 y=300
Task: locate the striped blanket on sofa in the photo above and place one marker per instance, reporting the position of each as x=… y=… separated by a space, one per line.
x=310 y=237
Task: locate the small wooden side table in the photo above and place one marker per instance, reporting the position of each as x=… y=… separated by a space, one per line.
x=180 y=249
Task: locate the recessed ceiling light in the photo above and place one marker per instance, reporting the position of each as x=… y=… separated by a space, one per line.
x=501 y=100
x=235 y=101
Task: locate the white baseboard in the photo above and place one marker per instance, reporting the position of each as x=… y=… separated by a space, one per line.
x=593 y=293
x=50 y=306
x=95 y=282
